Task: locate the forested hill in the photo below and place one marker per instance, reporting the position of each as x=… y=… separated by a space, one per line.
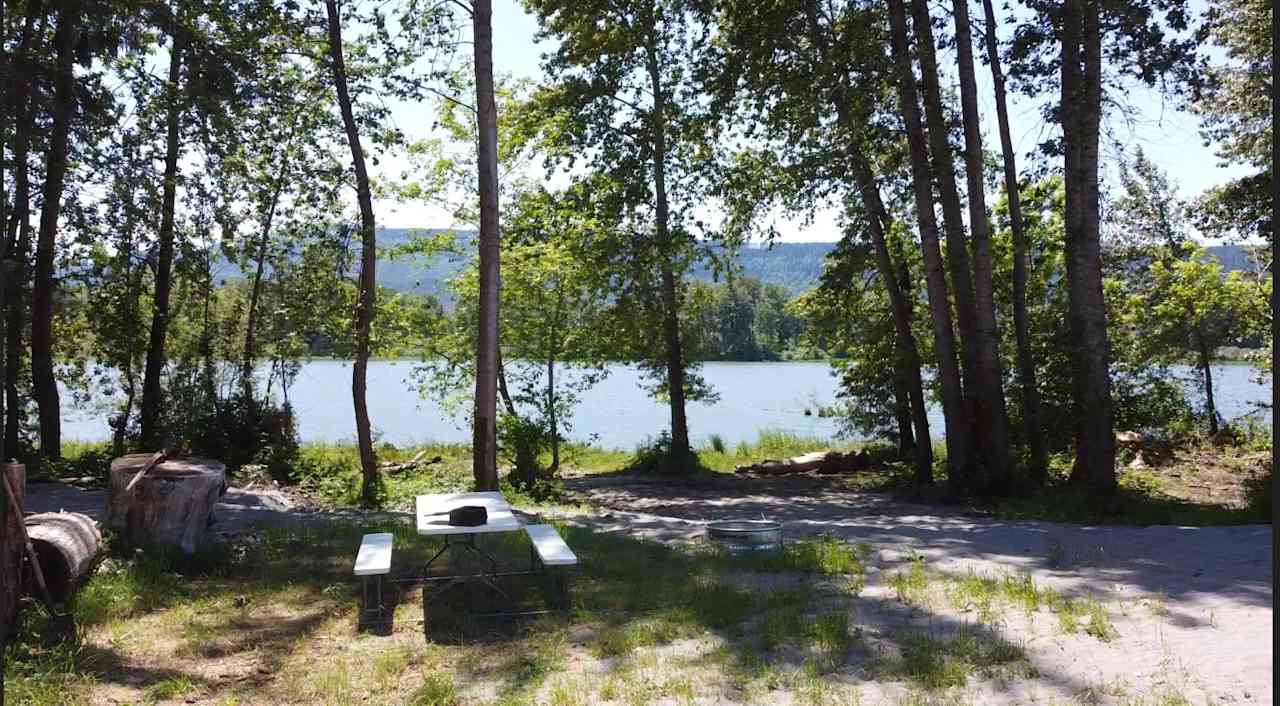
x=795 y=266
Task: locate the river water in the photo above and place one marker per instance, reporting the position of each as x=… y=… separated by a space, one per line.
x=617 y=413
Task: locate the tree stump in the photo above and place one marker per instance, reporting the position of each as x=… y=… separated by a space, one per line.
x=67 y=544
x=170 y=505
x=11 y=549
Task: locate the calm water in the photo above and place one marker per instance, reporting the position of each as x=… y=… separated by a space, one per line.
x=616 y=413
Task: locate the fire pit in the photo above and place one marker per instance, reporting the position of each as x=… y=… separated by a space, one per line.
x=746 y=535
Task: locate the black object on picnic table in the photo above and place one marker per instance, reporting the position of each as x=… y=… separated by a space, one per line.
x=468 y=516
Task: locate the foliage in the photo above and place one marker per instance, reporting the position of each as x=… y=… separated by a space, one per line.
x=742 y=319
x=849 y=316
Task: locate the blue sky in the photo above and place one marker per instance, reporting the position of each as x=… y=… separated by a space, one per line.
x=1169 y=136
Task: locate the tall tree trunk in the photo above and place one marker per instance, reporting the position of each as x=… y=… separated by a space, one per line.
x=894 y=278
x=1206 y=367
x=1039 y=461
x=16 y=303
x=944 y=177
x=255 y=293
x=670 y=287
x=552 y=422
x=996 y=476
x=151 y=389
x=485 y=436
x=370 y=485
x=903 y=376
x=953 y=408
x=1081 y=112
x=902 y=404
x=18 y=232
x=503 y=391
x=1275 y=272
x=44 y=384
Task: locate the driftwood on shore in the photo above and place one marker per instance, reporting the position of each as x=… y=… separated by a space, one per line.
x=411 y=465
x=820 y=462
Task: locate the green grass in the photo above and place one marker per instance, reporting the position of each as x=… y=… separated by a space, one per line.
x=170 y=688
x=911 y=585
x=937 y=663
x=825 y=556
x=436 y=690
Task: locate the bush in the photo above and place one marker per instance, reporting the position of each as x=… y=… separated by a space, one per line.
x=524 y=441
x=657 y=456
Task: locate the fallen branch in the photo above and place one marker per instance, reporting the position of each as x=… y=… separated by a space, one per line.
x=156 y=459
x=821 y=462
x=410 y=465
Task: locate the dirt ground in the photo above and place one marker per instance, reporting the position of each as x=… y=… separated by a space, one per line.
x=1192 y=605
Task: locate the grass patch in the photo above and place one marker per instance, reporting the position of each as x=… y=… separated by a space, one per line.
x=436 y=690
x=937 y=663
x=825 y=556
x=911 y=585
x=170 y=688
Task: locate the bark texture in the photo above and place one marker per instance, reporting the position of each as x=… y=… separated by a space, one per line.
x=44 y=386
x=944 y=178
x=18 y=229
x=954 y=413
x=152 y=393
x=994 y=474
x=11 y=549
x=67 y=546
x=250 y=352
x=1087 y=316
x=912 y=414
x=170 y=506
x=485 y=432
x=670 y=286
x=370 y=485
x=1039 y=459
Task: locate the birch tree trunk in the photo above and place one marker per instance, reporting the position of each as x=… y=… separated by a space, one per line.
x=1039 y=461
x=370 y=484
x=485 y=433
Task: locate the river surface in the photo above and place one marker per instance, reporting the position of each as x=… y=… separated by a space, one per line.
x=616 y=413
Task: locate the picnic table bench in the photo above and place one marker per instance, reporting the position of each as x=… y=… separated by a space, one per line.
x=549 y=554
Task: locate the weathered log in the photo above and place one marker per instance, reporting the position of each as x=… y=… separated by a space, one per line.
x=67 y=545
x=821 y=462
x=170 y=506
x=11 y=548
x=410 y=465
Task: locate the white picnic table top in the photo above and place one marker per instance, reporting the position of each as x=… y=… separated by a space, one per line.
x=433 y=513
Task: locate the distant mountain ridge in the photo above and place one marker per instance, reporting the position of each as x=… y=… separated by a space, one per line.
x=795 y=266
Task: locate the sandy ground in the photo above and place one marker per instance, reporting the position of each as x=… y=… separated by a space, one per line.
x=1191 y=605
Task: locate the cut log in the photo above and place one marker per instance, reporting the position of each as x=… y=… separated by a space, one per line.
x=171 y=505
x=67 y=546
x=821 y=462
x=11 y=548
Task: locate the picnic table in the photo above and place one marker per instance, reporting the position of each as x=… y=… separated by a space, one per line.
x=547 y=548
